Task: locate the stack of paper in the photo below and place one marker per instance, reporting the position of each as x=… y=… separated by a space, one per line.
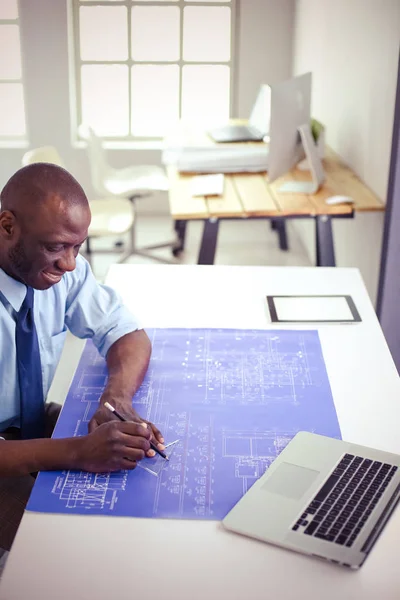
x=195 y=151
x=207 y=185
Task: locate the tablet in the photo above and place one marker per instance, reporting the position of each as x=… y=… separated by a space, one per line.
x=313 y=309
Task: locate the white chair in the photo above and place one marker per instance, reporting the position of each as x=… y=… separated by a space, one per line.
x=111 y=216
x=133 y=182
x=46 y=154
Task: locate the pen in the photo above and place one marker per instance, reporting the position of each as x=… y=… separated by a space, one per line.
x=121 y=418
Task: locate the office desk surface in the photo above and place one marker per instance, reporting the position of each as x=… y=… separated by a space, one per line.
x=250 y=195
x=82 y=558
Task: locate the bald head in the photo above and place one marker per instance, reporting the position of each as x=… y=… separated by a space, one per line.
x=44 y=220
x=30 y=187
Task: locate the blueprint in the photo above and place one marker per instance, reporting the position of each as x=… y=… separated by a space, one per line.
x=228 y=401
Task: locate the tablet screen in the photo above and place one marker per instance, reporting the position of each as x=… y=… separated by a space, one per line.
x=317 y=309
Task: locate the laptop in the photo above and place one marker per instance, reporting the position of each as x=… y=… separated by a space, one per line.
x=323 y=497
x=258 y=124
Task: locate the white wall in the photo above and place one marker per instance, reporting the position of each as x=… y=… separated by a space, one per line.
x=264 y=53
x=352 y=48
x=264 y=39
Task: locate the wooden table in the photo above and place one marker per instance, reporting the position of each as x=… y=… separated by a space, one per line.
x=250 y=196
x=78 y=557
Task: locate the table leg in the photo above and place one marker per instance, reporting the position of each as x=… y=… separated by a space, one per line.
x=208 y=242
x=324 y=241
x=279 y=225
x=180 y=228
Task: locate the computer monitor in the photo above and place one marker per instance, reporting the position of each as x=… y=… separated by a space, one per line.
x=290 y=133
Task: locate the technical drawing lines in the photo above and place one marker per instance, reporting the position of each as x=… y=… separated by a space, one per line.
x=230 y=399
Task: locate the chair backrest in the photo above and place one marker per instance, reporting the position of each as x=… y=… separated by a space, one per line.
x=99 y=168
x=46 y=154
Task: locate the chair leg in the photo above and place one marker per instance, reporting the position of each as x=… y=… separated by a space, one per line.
x=145 y=250
x=88 y=251
x=132 y=232
x=131 y=249
x=132 y=237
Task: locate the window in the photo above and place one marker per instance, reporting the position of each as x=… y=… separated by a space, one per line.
x=142 y=65
x=12 y=108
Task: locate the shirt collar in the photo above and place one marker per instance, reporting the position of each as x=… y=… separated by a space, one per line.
x=13 y=290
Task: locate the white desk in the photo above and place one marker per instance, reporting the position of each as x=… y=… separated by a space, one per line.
x=77 y=558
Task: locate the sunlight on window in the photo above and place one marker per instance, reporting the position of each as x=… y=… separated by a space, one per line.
x=155 y=33
x=12 y=110
x=207 y=23
x=103 y=33
x=10 y=55
x=144 y=64
x=155 y=99
x=12 y=106
x=159 y=1
x=105 y=98
x=8 y=9
x=205 y=93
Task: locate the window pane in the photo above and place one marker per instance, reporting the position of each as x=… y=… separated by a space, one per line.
x=8 y=9
x=105 y=98
x=206 y=34
x=155 y=99
x=10 y=56
x=205 y=93
x=103 y=33
x=155 y=33
x=12 y=111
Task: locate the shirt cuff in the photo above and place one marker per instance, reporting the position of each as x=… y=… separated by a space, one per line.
x=115 y=335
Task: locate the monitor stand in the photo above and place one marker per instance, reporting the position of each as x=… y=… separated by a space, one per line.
x=315 y=166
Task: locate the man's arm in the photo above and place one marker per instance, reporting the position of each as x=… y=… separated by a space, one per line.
x=111 y=447
x=97 y=311
x=30 y=456
x=127 y=361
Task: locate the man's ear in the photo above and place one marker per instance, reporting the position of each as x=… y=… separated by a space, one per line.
x=8 y=225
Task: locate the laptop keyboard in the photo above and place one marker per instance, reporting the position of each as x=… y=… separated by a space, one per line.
x=344 y=503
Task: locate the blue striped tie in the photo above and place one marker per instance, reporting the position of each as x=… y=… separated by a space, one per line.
x=29 y=371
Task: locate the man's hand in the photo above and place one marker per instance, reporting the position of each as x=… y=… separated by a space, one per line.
x=127 y=362
x=103 y=415
x=113 y=446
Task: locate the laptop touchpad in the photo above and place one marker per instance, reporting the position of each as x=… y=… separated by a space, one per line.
x=290 y=480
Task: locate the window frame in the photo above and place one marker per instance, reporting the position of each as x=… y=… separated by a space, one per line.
x=16 y=140
x=76 y=62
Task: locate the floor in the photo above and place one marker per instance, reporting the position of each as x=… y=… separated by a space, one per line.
x=239 y=243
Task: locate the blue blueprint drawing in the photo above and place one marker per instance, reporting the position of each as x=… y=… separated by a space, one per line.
x=233 y=399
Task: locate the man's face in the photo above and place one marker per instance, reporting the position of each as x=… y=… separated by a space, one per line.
x=46 y=244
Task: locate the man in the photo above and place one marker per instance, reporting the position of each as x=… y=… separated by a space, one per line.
x=46 y=287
